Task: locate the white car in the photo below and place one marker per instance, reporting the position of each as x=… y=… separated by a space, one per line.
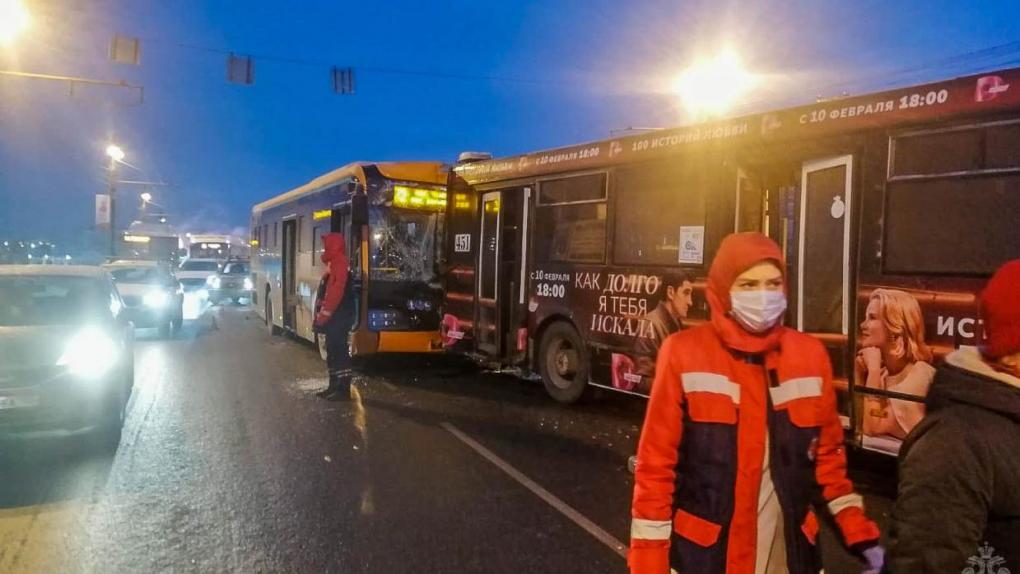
x=152 y=295
x=194 y=273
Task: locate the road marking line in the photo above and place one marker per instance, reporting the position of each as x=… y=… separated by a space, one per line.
x=389 y=386
x=564 y=508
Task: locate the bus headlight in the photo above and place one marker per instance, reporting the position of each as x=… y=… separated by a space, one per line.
x=155 y=299
x=248 y=286
x=419 y=305
x=89 y=353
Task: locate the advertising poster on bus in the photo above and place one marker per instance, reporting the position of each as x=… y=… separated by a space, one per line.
x=893 y=354
x=631 y=313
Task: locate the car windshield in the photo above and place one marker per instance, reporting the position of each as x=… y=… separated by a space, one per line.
x=200 y=266
x=403 y=244
x=138 y=275
x=51 y=300
x=235 y=269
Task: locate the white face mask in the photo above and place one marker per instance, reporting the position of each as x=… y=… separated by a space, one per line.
x=757 y=311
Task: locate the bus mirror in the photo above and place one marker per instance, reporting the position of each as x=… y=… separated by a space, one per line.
x=359 y=210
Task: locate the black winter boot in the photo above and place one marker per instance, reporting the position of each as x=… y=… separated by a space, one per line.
x=341 y=389
x=331 y=389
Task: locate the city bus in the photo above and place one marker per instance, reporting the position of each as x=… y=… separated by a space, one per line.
x=392 y=214
x=216 y=246
x=152 y=237
x=566 y=265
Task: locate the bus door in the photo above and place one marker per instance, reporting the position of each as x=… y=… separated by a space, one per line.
x=340 y=222
x=823 y=253
x=503 y=240
x=289 y=255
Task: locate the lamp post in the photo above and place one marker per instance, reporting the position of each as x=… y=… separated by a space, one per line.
x=116 y=155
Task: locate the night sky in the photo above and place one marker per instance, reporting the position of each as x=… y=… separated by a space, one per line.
x=432 y=79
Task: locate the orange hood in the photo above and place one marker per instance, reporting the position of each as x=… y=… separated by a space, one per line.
x=738 y=253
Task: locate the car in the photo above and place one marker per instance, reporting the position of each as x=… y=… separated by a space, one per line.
x=232 y=282
x=66 y=352
x=194 y=273
x=152 y=295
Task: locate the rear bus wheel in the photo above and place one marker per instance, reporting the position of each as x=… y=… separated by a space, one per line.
x=320 y=342
x=273 y=329
x=563 y=363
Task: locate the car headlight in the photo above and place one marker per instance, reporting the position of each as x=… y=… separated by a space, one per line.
x=213 y=281
x=155 y=299
x=89 y=353
x=248 y=286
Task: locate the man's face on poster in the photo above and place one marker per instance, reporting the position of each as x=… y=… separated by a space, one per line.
x=679 y=299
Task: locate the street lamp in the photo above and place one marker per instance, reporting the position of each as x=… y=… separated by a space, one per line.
x=146 y=197
x=14 y=19
x=115 y=153
x=710 y=87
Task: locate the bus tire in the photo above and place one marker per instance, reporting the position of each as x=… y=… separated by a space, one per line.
x=563 y=363
x=273 y=329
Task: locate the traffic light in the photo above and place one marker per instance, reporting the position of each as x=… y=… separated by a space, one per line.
x=240 y=70
x=343 y=81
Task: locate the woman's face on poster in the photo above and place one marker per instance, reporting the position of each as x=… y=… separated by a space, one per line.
x=873 y=331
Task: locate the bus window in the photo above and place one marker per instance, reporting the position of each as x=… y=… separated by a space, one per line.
x=652 y=203
x=316 y=245
x=276 y=234
x=1002 y=146
x=572 y=212
x=946 y=210
x=300 y=233
x=403 y=244
x=935 y=153
x=952 y=225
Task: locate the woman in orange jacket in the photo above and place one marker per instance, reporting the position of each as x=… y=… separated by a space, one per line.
x=741 y=440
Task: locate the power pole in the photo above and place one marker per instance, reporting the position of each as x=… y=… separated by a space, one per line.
x=111 y=189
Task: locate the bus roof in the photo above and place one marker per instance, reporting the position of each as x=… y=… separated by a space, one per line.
x=968 y=95
x=433 y=172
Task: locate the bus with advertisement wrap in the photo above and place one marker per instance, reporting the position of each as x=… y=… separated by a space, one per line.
x=391 y=214
x=572 y=265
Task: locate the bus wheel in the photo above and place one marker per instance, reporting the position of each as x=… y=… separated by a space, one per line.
x=320 y=342
x=273 y=329
x=563 y=363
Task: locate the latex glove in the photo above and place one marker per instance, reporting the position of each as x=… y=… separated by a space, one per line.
x=875 y=558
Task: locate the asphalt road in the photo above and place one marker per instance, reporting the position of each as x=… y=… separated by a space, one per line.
x=230 y=463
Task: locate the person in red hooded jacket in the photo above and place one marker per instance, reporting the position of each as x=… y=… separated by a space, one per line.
x=741 y=441
x=334 y=315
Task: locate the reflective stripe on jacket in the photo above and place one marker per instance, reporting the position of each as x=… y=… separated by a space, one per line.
x=702 y=446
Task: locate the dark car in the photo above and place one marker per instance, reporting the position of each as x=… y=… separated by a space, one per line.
x=152 y=295
x=231 y=283
x=66 y=351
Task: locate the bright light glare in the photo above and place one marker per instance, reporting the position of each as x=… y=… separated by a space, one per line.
x=115 y=153
x=146 y=196
x=248 y=286
x=155 y=298
x=712 y=86
x=14 y=19
x=90 y=353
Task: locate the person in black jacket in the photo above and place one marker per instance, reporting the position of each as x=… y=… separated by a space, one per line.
x=958 y=508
